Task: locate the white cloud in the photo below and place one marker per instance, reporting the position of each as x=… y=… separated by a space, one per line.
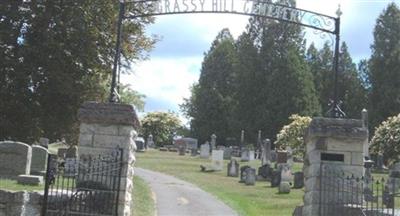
x=165 y=79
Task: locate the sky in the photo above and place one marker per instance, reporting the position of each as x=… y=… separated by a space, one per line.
x=174 y=63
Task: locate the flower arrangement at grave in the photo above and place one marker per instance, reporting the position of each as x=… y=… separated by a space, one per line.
x=292 y=134
x=386 y=139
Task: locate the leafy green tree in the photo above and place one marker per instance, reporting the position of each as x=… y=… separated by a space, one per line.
x=384 y=66
x=292 y=135
x=386 y=139
x=56 y=55
x=162 y=125
x=130 y=96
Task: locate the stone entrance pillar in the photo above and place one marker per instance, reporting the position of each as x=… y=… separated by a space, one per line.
x=104 y=127
x=334 y=143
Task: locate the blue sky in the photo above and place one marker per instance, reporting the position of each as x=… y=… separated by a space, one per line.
x=174 y=64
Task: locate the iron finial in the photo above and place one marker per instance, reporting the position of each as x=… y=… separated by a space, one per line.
x=339 y=11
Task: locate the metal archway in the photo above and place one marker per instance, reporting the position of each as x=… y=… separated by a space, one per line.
x=258 y=8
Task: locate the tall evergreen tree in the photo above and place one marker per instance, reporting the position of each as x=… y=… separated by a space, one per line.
x=384 y=66
x=211 y=103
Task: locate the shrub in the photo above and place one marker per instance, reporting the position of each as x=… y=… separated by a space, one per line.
x=386 y=139
x=292 y=134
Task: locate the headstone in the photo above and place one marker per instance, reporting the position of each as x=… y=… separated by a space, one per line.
x=250 y=176
x=243 y=173
x=72 y=152
x=181 y=150
x=290 y=156
x=298 y=180
x=275 y=178
x=61 y=153
x=286 y=174
x=71 y=166
x=39 y=160
x=228 y=153
x=281 y=157
x=140 y=145
x=284 y=187
x=266 y=152
x=30 y=180
x=273 y=156
x=205 y=151
x=44 y=142
x=245 y=155
x=15 y=159
x=393 y=182
x=265 y=171
x=213 y=141
x=150 y=142
x=217 y=160
x=193 y=152
x=379 y=161
x=233 y=168
x=251 y=155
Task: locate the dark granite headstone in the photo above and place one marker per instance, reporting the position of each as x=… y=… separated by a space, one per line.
x=265 y=171
x=275 y=178
x=298 y=180
x=282 y=157
x=243 y=173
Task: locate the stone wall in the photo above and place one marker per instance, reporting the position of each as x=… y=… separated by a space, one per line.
x=104 y=127
x=20 y=203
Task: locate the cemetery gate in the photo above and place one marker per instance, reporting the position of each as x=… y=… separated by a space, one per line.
x=85 y=186
x=348 y=195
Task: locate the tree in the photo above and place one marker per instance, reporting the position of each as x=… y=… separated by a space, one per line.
x=162 y=125
x=292 y=135
x=130 y=96
x=211 y=104
x=384 y=66
x=56 y=55
x=288 y=85
x=387 y=139
x=351 y=90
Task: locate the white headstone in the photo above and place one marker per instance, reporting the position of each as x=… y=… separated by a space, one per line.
x=205 y=150
x=217 y=160
x=251 y=155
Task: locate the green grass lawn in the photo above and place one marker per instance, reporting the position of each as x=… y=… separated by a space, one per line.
x=143 y=202
x=256 y=200
x=12 y=185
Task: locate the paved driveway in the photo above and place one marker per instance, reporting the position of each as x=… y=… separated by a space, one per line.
x=175 y=197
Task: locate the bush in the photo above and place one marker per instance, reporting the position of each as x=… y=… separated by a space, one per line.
x=386 y=139
x=292 y=134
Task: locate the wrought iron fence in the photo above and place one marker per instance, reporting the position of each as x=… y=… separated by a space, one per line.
x=345 y=195
x=85 y=186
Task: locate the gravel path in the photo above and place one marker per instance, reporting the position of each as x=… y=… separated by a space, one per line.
x=175 y=197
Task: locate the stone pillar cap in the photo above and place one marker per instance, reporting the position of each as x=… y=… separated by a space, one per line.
x=332 y=127
x=108 y=113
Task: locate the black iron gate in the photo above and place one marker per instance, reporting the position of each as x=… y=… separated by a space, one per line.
x=85 y=186
x=344 y=195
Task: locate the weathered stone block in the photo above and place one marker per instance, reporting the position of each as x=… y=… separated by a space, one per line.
x=30 y=179
x=108 y=113
x=86 y=140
